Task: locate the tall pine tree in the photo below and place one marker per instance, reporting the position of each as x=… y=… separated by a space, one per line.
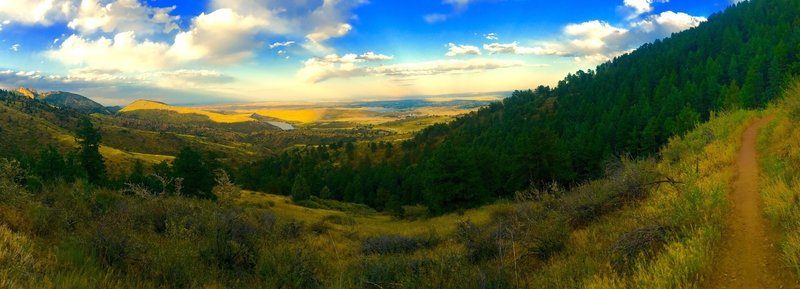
x=90 y=157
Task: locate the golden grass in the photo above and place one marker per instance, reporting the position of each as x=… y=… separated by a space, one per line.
x=213 y=116
x=443 y=111
x=413 y=124
x=780 y=175
x=698 y=208
x=294 y=115
x=377 y=224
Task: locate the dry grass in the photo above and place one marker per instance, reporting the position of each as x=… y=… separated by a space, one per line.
x=213 y=116
x=780 y=178
x=294 y=115
x=377 y=224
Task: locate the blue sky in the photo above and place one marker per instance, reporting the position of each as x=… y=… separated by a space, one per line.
x=190 y=51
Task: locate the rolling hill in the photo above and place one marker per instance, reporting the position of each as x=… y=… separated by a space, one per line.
x=147 y=105
x=65 y=99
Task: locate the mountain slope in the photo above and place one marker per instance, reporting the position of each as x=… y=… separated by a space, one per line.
x=64 y=99
x=635 y=103
x=74 y=101
x=632 y=105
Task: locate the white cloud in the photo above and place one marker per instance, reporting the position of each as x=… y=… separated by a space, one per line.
x=594 y=36
x=123 y=51
x=638 y=7
x=515 y=48
x=457 y=50
x=281 y=44
x=317 y=21
x=15 y=47
x=669 y=22
x=220 y=37
x=321 y=34
x=491 y=36
x=597 y=41
x=123 y=15
x=324 y=68
x=372 y=56
x=354 y=58
x=36 y=12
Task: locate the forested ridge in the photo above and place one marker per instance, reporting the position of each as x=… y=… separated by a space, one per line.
x=739 y=58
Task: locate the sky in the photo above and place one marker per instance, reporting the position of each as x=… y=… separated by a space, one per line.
x=217 y=51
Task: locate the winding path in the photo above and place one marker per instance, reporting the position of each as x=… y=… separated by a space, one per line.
x=749 y=255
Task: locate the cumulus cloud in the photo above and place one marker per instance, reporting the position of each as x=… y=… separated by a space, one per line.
x=314 y=20
x=491 y=36
x=38 y=12
x=320 y=69
x=321 y=34
x=123 y=15
x=221 y=37
x=515 y=48
x=104 y=53
x=669 y=22
x=232 y=32
x=598 y=41
x=457 y=50
x=638 y=7
x=595 y=36
x=14 y=47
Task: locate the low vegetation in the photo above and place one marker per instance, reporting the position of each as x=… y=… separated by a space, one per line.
x=780 y=178
x=658 y=220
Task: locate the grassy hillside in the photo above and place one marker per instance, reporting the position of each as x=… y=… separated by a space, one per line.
x=27 y=133
x=647 y=224
x=194 y=114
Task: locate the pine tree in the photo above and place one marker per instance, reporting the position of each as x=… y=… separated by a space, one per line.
x=300 y=190
x=90 y=157
x=50 y=165
x=198 y=177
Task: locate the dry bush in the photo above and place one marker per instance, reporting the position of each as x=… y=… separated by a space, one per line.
x=633 y=245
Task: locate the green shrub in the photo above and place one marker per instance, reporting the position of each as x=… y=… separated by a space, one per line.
x=479 y=244
x=289 y=267
x=233 y=241
x=112 y=244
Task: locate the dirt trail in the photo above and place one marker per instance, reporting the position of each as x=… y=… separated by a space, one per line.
x=749 y=255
